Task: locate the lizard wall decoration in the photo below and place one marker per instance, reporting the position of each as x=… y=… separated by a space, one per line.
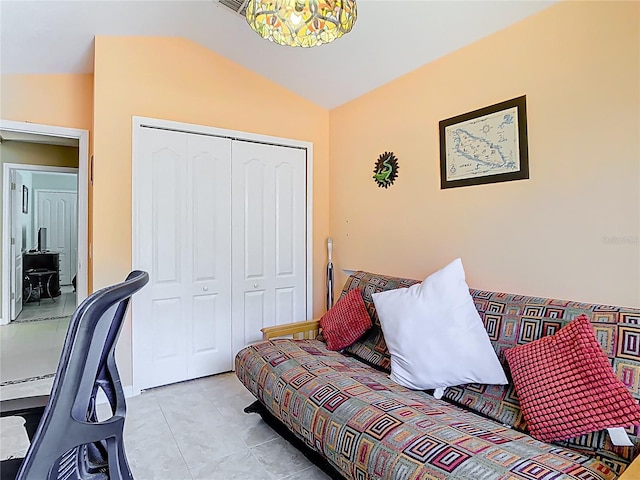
x=385 y=171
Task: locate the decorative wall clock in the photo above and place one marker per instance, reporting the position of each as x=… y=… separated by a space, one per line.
x=386 y=170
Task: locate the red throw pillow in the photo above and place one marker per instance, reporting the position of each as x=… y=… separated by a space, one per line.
x=346 y=321
x=567 y=387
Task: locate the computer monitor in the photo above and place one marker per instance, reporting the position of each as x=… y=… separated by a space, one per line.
x=42 y=239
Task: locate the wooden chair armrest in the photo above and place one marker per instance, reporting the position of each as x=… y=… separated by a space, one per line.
x=632 y=472
x=308 y=329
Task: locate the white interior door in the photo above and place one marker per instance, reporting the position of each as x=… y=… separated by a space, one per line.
x=269 y=238
x=182 y=319
x=16 y=244
x=57 y=211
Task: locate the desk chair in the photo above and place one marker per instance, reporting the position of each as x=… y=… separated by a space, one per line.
x=67 y=439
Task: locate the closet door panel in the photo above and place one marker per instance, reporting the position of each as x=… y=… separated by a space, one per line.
x=256 y=212
x=182 y=319
x=161 y=323
x=285 y=305
x=205 y=338
x=285 y=222
x=206 y=245
x=268 y=235
x=209 y=219
x=253 y=313
x=166 y=220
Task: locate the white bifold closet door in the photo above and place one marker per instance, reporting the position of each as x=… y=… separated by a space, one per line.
x=184 y=244
x=222 y=234
x=269 y=238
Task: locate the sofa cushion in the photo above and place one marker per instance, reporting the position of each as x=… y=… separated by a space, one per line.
x=346 y=321
x=366 y=426
x=435 y=335
x=566 y=385
x=512 y=320
x=371 y=348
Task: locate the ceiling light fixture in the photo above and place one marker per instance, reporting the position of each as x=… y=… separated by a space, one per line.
x=301 y=23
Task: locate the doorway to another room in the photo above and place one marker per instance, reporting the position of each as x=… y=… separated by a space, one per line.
x=47 y=234
x=44 y=235
x=43 y=230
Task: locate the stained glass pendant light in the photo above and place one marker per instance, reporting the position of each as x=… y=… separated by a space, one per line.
x=301 y=23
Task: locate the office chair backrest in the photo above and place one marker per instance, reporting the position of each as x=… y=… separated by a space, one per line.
x=70 y=442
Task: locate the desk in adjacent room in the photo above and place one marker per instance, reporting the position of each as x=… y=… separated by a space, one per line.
x=42 y=271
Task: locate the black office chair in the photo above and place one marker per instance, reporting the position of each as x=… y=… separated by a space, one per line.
x=67 y=439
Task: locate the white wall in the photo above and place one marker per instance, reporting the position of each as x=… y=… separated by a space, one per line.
x=55 y=181
x=35 y=181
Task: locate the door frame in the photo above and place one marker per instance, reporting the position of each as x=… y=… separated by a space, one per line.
x=82 y=276
x=137 y=175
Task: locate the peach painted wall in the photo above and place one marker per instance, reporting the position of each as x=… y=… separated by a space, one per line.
x=572 y=231
x=176 y=79
x=60 y=100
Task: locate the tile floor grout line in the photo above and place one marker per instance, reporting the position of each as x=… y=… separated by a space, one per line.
x=260 y=463
x=225 y=422
x=186 y=466
x=310 y=467
x=235 y=453
x=222 y=470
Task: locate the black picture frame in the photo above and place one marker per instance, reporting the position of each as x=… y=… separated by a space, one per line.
x=499 y=154
x=25 y=199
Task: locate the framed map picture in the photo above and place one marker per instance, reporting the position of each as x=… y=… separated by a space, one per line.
x=485 y=146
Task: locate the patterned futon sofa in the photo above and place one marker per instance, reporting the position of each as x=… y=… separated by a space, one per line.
x=343 y=405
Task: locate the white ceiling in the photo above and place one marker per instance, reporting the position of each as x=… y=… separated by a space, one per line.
x=390 y=38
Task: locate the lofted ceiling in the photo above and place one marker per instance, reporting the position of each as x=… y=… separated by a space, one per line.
x=390 y=38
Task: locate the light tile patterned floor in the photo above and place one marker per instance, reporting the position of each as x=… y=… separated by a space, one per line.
x=62 y=305
x=189 y=431
x=32 y=348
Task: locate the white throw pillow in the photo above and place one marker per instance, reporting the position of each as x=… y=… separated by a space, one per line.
x=435 y=335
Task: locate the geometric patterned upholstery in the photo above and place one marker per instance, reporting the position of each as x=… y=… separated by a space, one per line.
x=567 y=387
x=371 y=347
x=512 y=320
x=368 y=427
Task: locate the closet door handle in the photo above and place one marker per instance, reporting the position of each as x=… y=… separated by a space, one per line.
x=255 y=285
x=205 y=289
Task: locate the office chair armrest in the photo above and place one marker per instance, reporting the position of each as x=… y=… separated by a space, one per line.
x=29 y=408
